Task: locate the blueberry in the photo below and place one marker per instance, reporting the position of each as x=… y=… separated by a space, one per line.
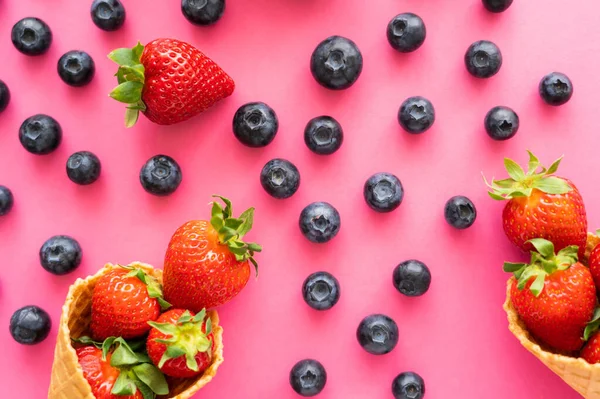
x=308 y=377
x=501 y=123
x=408 y=385
x=497 y=5
x=76 y=68
x=203 y=12
x=160 y=175
x=280 y=178
x=320 y=222
x=321 y=291
x=83 y=168
x=412 y=278
x=4 y=96
x=323 y=135
x=406 y=32
x=483 y=59
x=30 y=325
x=416 y=114
x=556 y=88
x=255 y=124
x=383 y=192
x=336 y=63
x=6 y=200
x=460 y=212
x=377 y=334
x=31 y=36
x=108 y=15
x=60 y=255
x=40 y=134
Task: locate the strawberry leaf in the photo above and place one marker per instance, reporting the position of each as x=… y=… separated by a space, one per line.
x=124 y=56
x=543 y=246
x=85 y=340
x=554 y=167
x=514 y=169
x=124 y=356
x=538 y=284
x=124 y=385
x=552 y=185
x=152 y=377
x=593 y=326
x=128 y=92
x=533 y=165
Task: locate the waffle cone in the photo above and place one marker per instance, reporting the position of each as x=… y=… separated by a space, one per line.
x=579 y=374
x=67 y=381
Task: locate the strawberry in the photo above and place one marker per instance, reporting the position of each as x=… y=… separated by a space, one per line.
x=168 y=80
x=207 y=263
x=594 y=263
x=180 y=343
x=119 y=373
x=123 y=301
x=540 y=205
x=554 y=295
x=591 y=351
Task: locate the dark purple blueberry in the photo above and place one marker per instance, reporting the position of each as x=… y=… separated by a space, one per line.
x=40 y=134
x=30 y=325
x=321 y=291
x=255 y=124
x=31 y=36
x=76 y=68
x=497 y=6
x=408 y=385
x=556 y=88
x=377 y=334
x=308 y=377
x=83 y=168
x=412 y=278
x=320 y=222
x=6 y=200
x=60 y=255
x=460 y=212
x=406 y=32
x=4 y=96
x=323 y=135
x=416 y=114
x=483 y=59
x=203 y=12
x=280 y=178
x=336 y=63
x=160 y=175
x=501 y=123
x=108 y=15
x=383 y=192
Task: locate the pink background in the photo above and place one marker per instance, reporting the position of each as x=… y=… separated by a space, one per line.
x=455 y=336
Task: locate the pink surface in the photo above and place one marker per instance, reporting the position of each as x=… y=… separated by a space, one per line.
x=455 y=336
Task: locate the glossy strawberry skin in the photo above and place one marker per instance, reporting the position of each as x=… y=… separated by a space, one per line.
x=557 y=218
x=180 y=81
x=200 y=272
x=100 y=374
x=591 y=351
x=175 y=367
x=594 y=263
x=558 y=316
x=121 y=307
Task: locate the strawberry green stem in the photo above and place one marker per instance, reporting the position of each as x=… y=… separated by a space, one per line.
x=522 y=184
x=131 y=79
x=185 y=338
x=154 y=287
x=232 y=230
x=543 y=262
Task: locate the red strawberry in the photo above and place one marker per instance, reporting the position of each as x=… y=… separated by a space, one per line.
x=554 y=295
x=119 y=374
x=541 y=205
x=594 y=264
x=180 y=343
x=207 y=263
x=123 y=302
x=168 y=80
x=591 y=351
